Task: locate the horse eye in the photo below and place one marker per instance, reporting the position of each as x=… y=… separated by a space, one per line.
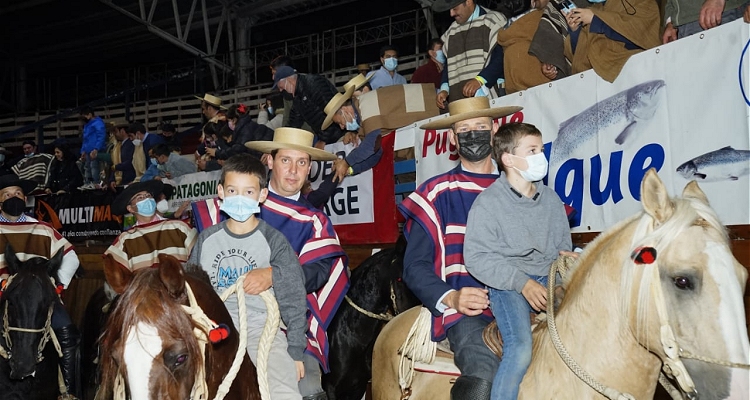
x=683 y=283
x=180 y=360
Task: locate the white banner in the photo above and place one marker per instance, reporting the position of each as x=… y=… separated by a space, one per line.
x=352 y=201
x=678 y=108
x=193 y=187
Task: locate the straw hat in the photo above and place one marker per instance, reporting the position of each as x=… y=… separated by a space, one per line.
x=121 y=202
x=468 y=108
x=358 y=81
x=334 y=105
x=292 y=139
x=212 y=100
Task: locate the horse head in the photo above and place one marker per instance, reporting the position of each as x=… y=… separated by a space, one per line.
x=149 y=337
x=680 y=302
x=27 y=302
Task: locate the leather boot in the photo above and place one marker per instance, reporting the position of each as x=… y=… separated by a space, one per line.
x=470 y=387
x=319 y=396
x=69 y=339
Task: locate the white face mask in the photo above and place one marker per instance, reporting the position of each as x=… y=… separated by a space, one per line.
x=537 y=169
x=136 y=142
x=162 y=206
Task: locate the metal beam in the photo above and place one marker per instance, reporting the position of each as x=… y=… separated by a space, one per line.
x=22 y=5
x=182 y=43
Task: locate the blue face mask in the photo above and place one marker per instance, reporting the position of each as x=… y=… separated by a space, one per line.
x=240 y=208
x=270 y=111
x=154 y=162
x=146 y=207
x=391 y=63
x=440 y=56
x=597 y=1
x=352 y=125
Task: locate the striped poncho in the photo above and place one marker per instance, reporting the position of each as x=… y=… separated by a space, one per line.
x=140 y=246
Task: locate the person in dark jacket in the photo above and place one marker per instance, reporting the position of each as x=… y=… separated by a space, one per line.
x=64 y=175
x=245 y=130
x=311 y=93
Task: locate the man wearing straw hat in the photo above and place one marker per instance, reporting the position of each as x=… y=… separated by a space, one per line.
x=374 y=113
x=211 y=107
x=312 y=237
x=434 y=269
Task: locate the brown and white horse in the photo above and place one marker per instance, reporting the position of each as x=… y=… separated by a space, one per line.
x=149 y=347
x=625 y=315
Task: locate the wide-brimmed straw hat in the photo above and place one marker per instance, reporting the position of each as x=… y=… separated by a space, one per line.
x=357 y=82
x=212 y=100
x=468 y=108
x=120 y=204
x=445 y=5
x=291 y=139
x=26 y=185
x=334 y=105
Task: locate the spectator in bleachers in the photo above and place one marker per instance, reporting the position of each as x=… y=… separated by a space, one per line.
x=152 y=171
x=683 y=18
x=209 y=140
x=94 y=141
x=473 y=33
x=278 y=62
x=4 y=159
x=310 y=94
x=139 y=157
x=122 y=157
x=144 y=138
x=605 y=35
x=64 y=175
x=363 y=69
x=211 y=107
x=432 y=70
x=244 y=130
x=272 y=112
x=33 y=166
x=171 y=138
x=170 y=164
x=533 y=44
x=387 y=75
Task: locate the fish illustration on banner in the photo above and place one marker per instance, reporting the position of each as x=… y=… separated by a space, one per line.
x=617 y=116
x=718 y=165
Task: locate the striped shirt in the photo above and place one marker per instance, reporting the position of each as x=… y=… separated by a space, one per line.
x=140 y=246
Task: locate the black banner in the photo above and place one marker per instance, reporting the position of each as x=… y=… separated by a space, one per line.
x=79 y=215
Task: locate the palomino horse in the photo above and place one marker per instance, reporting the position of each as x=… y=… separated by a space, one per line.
x=149 y=348
x=29 y=362
x=377 y=289
x=658 y=289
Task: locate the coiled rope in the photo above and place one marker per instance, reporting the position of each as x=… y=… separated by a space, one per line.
x=417 y=347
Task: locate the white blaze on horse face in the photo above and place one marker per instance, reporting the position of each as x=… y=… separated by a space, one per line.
x=142 y=346
x=722 y=268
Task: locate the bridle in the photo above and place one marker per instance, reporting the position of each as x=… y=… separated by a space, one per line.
x=384 y=316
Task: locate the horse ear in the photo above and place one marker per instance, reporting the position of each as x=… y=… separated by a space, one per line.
x=10 y=259
x=171 y=275
x=55 y=263
x=654 y=197
x=694 y=191
x=118 y=276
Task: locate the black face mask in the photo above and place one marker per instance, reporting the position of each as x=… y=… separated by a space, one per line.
x=474 y=146
x=287 y=96
x=14 y=206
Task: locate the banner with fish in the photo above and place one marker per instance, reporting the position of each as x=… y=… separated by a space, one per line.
x=686 y=116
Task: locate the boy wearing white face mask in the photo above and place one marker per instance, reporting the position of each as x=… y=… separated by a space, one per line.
x=243 y=243
x=516 y=228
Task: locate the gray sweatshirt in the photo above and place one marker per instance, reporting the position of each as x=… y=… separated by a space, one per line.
x=225 y=256
x=510 y=236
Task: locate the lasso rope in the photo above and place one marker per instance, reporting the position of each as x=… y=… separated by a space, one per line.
x=417 y=347
x=266 y=337
x=382 y=316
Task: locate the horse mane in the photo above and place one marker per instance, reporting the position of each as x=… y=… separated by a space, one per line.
x=145 y=300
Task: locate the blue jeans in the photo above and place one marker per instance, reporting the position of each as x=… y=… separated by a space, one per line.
x=91 y=169
x=511 y=312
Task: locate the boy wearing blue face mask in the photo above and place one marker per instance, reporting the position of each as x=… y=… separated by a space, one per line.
x=516 y=228
x=243 y=243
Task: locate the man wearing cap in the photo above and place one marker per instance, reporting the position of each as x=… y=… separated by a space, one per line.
x=31 y=238
x=310 y=94
x=312 y=237
x=211 y=107
x=434 y=269
x=474 y=59
x=140 y=246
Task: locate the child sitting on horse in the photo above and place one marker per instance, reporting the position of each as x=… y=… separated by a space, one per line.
x=242 y=244
x=516 y=228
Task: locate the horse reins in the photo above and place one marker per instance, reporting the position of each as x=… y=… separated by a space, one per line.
x=384 y=316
